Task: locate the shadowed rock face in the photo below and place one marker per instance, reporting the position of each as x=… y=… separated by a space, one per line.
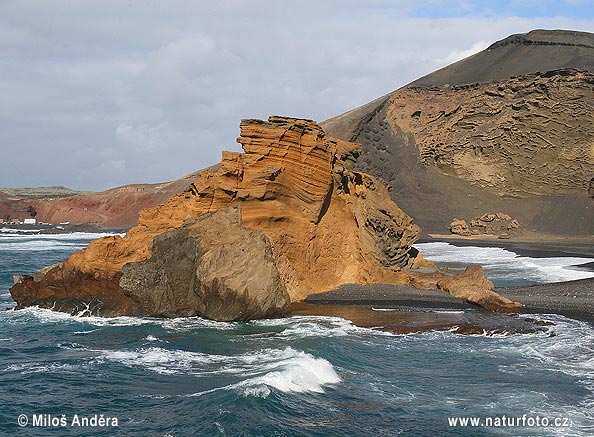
x=212 y=266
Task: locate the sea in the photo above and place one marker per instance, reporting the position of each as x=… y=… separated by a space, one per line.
x=300 y=376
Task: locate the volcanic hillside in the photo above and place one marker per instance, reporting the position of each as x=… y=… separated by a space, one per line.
x=510 y=129
x=115 y=208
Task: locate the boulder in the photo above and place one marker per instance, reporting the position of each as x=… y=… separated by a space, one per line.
x=471 y=285
x=459 y=227
x=211 y=266
x=474 y=287
x=493 y=224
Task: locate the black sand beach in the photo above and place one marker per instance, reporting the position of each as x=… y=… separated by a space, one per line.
x=574 y=299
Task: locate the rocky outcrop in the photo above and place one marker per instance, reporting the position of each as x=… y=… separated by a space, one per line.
x=288 y=218
x=492 y=224
x=474 y=287
x=471 y=285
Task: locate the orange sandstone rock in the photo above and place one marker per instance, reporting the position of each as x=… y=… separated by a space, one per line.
x=326 y=224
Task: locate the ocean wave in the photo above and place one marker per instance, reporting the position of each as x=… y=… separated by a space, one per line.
x=44 y=315
x=40 y=246
x=313 y=326
x=66 y=236
x=18 y=231
x=570 y=351
x=303 y=373
x=293 y=327
x=42 y=242
x=504 y=264
x=286 y=370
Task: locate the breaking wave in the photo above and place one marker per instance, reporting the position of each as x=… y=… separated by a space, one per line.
x=287 y=370
x=41 y=242
x=505 y=265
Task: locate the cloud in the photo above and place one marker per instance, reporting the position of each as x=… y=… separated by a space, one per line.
x=98 y=94
x=458 y=55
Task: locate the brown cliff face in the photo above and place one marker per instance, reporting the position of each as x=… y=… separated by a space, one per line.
x=530 y=135
x=327 y=225
x=286 y=219
x=521 y=146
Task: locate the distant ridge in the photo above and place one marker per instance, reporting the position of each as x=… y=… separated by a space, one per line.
x=37 y=192
x=538 y=50
x=509 y=129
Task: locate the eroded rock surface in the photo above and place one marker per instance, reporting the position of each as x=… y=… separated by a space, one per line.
x=530 y=135
x=493 y=224
x=522 y=145
x=309 y=223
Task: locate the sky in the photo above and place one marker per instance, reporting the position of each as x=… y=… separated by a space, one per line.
x=97 y=94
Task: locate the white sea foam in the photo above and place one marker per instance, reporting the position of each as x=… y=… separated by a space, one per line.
x=44 y=315
x=504 y=264
x=84 y=332
x=302 y=373
x=68 y=236
x=570 y=351
x=42 y=367
x=287 y=370
x=75 y=240
x=305 y=326
x=18 y=231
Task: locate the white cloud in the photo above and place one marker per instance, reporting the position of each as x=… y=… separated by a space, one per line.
x=458 y=55
x=160 y=87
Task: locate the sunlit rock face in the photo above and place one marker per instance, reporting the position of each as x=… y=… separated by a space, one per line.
x=315 y=223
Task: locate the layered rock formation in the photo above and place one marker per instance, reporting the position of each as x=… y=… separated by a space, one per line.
x=530 y=135
x=286 y=219
x=461 y=140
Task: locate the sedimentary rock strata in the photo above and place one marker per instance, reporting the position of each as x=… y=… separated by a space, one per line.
x=530 y=135
x=306 y=220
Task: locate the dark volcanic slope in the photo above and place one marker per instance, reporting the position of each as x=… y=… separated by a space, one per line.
x=539 y=50
x=522 y=145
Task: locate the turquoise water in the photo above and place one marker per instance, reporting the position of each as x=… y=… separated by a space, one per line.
x=295 y=376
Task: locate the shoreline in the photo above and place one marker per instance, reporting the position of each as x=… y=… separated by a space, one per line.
x=53 y=229
x=535 y=249
x=573 y=299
